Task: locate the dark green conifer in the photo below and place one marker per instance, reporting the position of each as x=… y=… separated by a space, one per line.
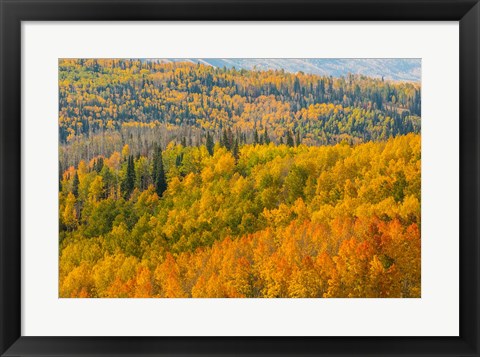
x=209 y=143
x=290 y=139
x=159 y=179
x=255 y=136
x=236 y=150
x=266 y=139
x=75 y=184
x=128 y=183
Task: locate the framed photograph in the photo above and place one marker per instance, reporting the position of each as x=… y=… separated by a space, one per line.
x=239 y=178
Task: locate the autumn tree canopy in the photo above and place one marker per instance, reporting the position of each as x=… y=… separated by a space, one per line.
x=185 y=180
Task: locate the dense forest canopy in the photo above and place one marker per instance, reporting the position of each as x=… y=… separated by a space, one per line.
x=107 y=103
x=185 y=180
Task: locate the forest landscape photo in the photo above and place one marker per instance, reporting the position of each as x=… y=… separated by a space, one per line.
x=239 y=178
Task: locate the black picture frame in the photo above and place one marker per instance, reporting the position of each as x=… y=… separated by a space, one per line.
x=13 y=12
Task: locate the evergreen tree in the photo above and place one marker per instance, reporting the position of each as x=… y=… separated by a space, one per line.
x=297 y=139
x=222 y=138
x=236 y=150
x=159 y=173
x=230 y=141
x=255 y=136
x=266 y=139
x=98 y=165
x=128 y=183
x=131 y=174
x=209 y=144
x=76 y=182
x=226 y=140
x=154 y=165
x=179 y=160
x=296 y=86
x=290 y=139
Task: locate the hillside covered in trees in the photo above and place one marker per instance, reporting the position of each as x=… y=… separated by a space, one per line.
x=185 y=180
x=104 y=104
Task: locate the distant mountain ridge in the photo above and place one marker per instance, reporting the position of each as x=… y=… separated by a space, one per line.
x=400 y=69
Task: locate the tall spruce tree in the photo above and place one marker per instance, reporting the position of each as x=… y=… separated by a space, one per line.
x=98 y=164
x=75 y=184
x=236 y=150
x=230 y=139
x=266 y=139
x=209 y=143
x=290 y=139
x=159 y=172
x=154 y=165
x=226 y=139
x=128 y=183
x=297 y=139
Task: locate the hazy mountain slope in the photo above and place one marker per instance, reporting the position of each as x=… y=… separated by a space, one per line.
x=389 y=68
